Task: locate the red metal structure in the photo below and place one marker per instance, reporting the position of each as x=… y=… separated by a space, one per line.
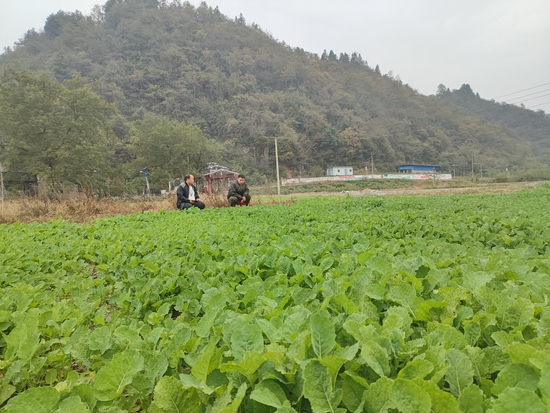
x=217 y=178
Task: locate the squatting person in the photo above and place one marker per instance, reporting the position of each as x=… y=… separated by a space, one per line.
x=238 y=192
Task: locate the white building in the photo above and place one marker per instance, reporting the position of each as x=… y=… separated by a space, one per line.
x=340 y=170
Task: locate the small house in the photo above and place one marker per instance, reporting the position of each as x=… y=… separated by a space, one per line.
x=340 y=171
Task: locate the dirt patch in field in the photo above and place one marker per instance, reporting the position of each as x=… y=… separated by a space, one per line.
x=482 y=189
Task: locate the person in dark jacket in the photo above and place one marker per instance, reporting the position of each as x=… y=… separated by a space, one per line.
x=188 y=195
x=238 y=192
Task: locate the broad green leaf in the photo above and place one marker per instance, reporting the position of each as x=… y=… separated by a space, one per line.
x=293 y=323
x=447 y=336
x=376 y=358
x=442 y=402
x=191 y=382
x=347 y=305
x=37 y=399
x=472 y=332
x=539 y=358
x=357 y=378
x=405 y=295
x=544 y=382
x=429 y=310
x=233 y=407
x=72 y=404
x=408 y=397
x=223 y=399
x=246 y=339
x=380 y=265
x=520 y=313
x=514 y=400
x=326 y=263
x=318 y=389
x=460 y=373
x=100 y=339
x=475 y=279
x=520 y=353
x=471 y=399
x=502 y=339
x=352 y=393
x=335 y=361
x=23 y=340
x=375 y=291
x=276 y=354
x=206 y=322
x=112 y=379
x=516 y=375
x=298 y=349
x=496 y=359
x=378 y=396
x=480 y=364
x=248 y=366
x=206 y=362
x=155 y=366
x=153 y=369
x=418 y=368
x=128 y=336
x=171 y=397
x=271 y=331
x=270 y=393
x=86 y=393
x=323 y=337
x=6 y=391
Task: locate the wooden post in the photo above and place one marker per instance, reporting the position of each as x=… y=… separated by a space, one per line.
x=277 y=167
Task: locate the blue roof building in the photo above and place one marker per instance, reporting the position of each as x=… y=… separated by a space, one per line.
x=419 y=169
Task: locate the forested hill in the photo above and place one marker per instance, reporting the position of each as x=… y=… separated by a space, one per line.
x=527 y=124
x=242 y=87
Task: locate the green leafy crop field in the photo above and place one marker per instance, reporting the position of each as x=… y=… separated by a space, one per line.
x=406 y=304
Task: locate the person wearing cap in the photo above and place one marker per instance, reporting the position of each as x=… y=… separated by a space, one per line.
x=188 y=195
x=238 y=193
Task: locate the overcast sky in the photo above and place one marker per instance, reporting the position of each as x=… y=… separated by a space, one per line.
x=498 y=47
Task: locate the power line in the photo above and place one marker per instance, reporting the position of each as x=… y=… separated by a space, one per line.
x=530 y=94
x=540 y=104
x=519 y=91
x=526 y=100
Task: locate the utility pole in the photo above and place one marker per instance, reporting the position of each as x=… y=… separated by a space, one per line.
x=480 y=169
x=454 y=171
x=372 y=165
x=2 y=185
x=277 y=168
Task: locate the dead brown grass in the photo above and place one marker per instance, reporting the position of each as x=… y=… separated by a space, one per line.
x=83 y=209
x=78 y=208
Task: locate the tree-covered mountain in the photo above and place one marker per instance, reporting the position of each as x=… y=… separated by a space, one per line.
x=531 y=126
x=171 y=66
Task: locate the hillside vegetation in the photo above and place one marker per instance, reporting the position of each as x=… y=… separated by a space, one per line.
x=187 y=85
